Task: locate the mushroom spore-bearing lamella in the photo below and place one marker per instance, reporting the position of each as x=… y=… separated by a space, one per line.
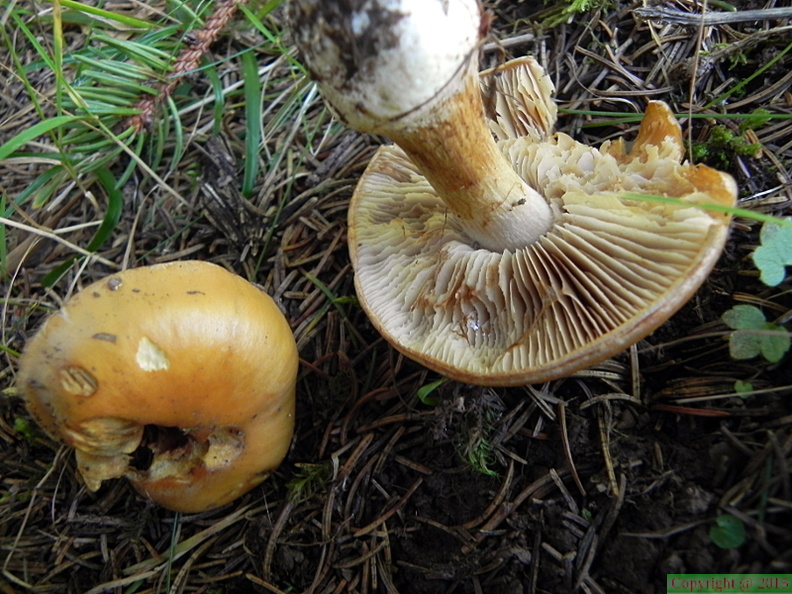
x=180 y=377
x=485 y=245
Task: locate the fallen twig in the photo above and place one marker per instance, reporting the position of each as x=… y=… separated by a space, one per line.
x=709 y=19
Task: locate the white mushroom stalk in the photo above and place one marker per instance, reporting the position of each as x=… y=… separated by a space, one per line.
x=406 y=69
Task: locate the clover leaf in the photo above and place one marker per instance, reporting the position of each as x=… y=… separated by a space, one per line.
x=753 y=335
x=774 y=254
x=728 y=532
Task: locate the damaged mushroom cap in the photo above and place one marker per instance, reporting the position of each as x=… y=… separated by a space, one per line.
x=609 y=271
x=179 y=376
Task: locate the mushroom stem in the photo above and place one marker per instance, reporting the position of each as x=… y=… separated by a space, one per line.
x=452 y=146
x=407 y=69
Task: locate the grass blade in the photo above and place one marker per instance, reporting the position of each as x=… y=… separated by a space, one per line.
x=252 y=121
x=30 y=134
x=122 y=19
x=115 y=204
x=731 y=210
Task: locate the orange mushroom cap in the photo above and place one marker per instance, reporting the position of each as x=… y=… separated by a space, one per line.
x=179 y=376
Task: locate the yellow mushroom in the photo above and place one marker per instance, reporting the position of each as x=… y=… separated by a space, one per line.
x=180 y=377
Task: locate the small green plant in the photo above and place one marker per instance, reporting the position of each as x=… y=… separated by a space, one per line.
x=25 y=428
x=774 y=254
x=735 y=58
x=721 y=146
x=753 y=335
x=728 y=532
x=308 y=480
x=425 y=392
x=470 y=418
x=741 y=387
x=480 y=457
x=565 y=10
x=477 y=434
x=756 y=119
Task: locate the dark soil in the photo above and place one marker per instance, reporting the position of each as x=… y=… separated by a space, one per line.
x=605 y=481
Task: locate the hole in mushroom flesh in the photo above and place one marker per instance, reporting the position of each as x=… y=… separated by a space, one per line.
x=152 y=452
x=177 y=453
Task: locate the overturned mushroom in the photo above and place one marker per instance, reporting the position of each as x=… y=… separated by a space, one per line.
x=486 y=247
x=179 y=376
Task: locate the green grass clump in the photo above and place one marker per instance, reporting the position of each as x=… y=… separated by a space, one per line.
x=130 y=95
